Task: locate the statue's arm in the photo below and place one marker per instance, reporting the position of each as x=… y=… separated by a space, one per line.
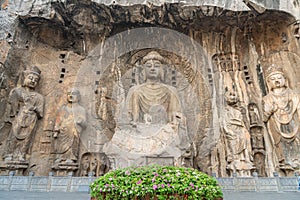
x=81 y=119
x=57 y=123
x=269 y=107
x=39 y=108
x=12 y=106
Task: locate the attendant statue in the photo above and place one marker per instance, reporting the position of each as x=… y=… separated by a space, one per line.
x=24 y=107
x=69 y=124
x=239 y=150
x=281 y=112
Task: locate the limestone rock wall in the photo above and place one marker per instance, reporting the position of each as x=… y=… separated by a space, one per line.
x=216 y=54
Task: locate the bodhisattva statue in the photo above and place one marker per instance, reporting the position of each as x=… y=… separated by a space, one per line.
x=69 y=124
x=281 y=112
x=239 y=150
x=155 y=124
x=24 y=108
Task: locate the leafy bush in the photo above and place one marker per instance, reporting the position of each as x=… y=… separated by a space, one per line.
x=155 y=182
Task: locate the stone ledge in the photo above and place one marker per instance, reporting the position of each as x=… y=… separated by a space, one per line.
x=45 y=184
x=81 y=184
x=261 y=184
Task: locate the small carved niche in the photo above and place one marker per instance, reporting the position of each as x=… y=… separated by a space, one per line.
x=210 y=77
x=226 y=62
x=173 y=81
x=62 y=74
x=247 y=75
x=95 y=164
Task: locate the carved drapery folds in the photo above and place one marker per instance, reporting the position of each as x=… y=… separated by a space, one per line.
x=153 y=122
x=24 y=108
x=281 y=112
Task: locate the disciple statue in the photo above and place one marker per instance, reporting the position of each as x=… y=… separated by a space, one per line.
x=239 y=150
x=69 y=124
x=24 y=108
x=281 y=112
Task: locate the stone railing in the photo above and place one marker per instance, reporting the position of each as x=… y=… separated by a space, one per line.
x=45 y=183
x=261 y=184
x=81 y=184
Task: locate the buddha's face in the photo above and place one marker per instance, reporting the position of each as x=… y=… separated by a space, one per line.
x=73 y=96
x=231 y=98
x=276 y=81
x=31 y=80
x=152 y=69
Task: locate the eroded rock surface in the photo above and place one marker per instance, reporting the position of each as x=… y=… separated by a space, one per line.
x=207 y=51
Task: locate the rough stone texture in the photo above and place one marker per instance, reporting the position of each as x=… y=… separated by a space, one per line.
x=211 y=47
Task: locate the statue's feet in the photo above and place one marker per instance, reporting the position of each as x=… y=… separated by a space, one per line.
x=8 y=157
x=133 y=124
x=58 y=160
x=69 y=161
x=22 y=159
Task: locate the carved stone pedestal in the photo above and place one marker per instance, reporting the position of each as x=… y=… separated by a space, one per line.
x=63 y=169
x=18 y=166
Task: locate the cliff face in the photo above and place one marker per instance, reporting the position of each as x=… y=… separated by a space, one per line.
x=213 y=51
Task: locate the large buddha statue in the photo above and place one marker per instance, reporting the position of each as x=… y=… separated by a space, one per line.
x=281 y=112
x=156 y=124
x=153 y=96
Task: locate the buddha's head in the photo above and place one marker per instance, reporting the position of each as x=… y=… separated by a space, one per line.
x=152 y=63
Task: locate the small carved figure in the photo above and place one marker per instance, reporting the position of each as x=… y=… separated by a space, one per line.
x=94 y=166
x=281 y=112
x=102 y=110
x=85 y=166
x=24 y=108
x=258 y=146
x=187 y=159
x=253 y=114
x=257 y=138
x=69 y=124
x=239 y=151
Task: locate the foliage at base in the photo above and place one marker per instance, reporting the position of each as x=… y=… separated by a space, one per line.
x=155 y=182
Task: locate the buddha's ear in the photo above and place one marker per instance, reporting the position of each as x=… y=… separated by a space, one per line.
x=162 y=73
x=286 y=81
x=143 y=76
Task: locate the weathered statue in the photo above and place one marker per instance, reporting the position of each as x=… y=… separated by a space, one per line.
x=102 y=110
x=146 y=99
x=155 y=124
x=69 y=124
x=85 y=166
x=239 y=151
x=281 y=112
x=24 y=108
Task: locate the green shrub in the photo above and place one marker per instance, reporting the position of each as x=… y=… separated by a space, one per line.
x=155 y=182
